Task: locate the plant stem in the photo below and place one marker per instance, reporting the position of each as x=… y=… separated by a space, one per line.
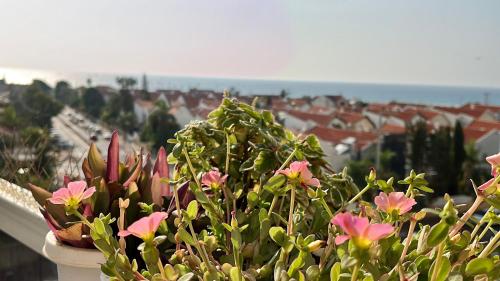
x=480 y=223
x=162 y=271
x=409 y=237
x=325 y=205
x=439 y=256
x=290 y=213
x=465 y=217
x=359 y=195
x=490 y=247
x=191 y=168
x=84 y=219
x=178 y=208
x=409 y=191
x=288 y=159
x=273 y=203
x=224 y=188
x=355 y=272
x=485 y=230
x=204 y=257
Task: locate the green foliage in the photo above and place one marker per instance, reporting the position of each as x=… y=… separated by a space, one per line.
x=93 y=102
x=159 y=127
x=65 y=94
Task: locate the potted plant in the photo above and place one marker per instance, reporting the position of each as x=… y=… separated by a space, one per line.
x=251 y=201
x=69 y=210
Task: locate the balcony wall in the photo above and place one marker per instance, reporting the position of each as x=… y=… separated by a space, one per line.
x=22 y=234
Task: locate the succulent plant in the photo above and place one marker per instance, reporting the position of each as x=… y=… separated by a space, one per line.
x=135 y=179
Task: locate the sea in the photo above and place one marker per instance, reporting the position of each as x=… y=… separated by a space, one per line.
x=368 y=92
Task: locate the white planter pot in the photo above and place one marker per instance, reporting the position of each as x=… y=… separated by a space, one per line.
x=73 y=264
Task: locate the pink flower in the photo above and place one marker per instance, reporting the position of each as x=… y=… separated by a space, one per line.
x=360 y=230
x=145 y=228
x=213 y=179
x=396 y=201
x=494 y=161
x=299 y=171
x=73 y=195
x=487 y=185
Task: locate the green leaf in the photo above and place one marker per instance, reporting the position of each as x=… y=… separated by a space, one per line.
x=425 y=189
x=186 y=237
x=278 y=235
x=335 y=272
x=186 y=277
x=234 y=274
x=253 y=199
x=192 y=209
x=297 y=263
x=274 y=183
x=438 y=233
x=444 y=268
x=479 y=266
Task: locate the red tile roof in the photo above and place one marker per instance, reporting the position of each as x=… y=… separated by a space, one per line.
x=472 y=134
x=391 y=129
x=476 y=110
x=484 y=125
x=320 y=119
x=349 y=117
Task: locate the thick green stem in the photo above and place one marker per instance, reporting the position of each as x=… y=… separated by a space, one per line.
x=363 y=191
x=290 y=213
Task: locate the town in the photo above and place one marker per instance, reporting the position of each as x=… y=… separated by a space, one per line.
x=390 y=137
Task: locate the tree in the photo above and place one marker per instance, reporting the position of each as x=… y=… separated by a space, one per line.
x=458 y=153
x=65 y=94
x=35 y=108
x=441 y=161
x=160 y=126
x=93 y=102
x=39 y=86
x=127 y=121
x=418 y=146
x=126 y=82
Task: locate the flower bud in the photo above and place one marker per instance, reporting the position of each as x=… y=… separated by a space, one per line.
x=372 y=176
x=315 y=245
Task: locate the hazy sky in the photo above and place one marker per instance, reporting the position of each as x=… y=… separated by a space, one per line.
x=422 y=41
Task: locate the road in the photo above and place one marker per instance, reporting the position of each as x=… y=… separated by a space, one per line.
x=73 y=130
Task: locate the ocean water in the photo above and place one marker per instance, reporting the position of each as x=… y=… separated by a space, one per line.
x=369 y=92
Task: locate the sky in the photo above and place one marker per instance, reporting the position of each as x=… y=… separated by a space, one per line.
x=446 y=42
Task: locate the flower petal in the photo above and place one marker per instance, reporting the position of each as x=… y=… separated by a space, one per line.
x=60 y=196
x=76 y=188
x=124 y=233
x=341 y=239
x=378 y=231
x=88 y=193
x=140 y=228
x=155 y=219
x=486 y=185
